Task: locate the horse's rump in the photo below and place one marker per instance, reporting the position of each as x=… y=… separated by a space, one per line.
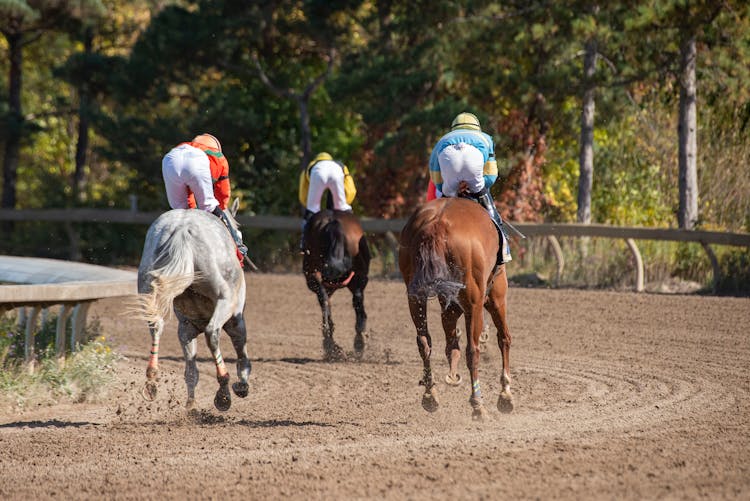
x=433 y=273
x=335 y=246
x=167 y=266
x=338 y=260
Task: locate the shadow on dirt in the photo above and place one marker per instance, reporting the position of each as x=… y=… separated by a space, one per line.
x=52 y=423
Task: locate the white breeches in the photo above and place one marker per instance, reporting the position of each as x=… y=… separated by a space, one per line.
x=326 y=174
x=186 y=167
x=461 y=162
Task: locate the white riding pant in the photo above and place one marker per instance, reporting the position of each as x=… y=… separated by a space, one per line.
x=326 y=174
x=461 y=162
x=186 y=167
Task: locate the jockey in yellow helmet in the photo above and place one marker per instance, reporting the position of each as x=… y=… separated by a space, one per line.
x=466 y=154
x=324 y=173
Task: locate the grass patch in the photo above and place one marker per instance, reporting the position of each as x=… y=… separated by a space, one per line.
x=85 y=375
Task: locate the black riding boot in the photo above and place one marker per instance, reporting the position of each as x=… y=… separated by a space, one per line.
x=485 y=200
x=235 y=236
x=305 y=218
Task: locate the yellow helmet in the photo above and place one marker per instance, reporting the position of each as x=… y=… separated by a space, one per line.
x=466 y=120
x=320 y=157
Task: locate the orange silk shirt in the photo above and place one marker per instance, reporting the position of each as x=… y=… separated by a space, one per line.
x=219 y=175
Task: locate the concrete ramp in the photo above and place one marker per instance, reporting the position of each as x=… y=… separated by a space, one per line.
x=34 y=284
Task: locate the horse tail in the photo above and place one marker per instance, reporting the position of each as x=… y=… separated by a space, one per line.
x=173 y=272
x=338 y=261
x=433 y=275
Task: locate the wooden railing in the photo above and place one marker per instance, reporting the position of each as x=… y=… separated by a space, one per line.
x=390 y=227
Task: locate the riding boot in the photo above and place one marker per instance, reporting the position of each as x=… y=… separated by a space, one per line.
x=305 y=218
x=235 y=236
x=485 y=200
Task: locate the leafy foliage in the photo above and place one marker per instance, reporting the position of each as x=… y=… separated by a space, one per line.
x=158 y=72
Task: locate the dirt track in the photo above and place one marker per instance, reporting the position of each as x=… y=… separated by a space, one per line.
x=617 y=395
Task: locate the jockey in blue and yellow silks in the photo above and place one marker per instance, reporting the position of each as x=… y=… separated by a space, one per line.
x=324 y=173
x=466 y=154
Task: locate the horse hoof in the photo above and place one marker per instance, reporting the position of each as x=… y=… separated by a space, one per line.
x=241 y=389
x=149 y=391
x=453 y=380
x=359 y=344
x=334 y=353
x=479 y=414
x=190 y=404
x=430 y=402
x=222 y=400
x=505 y=403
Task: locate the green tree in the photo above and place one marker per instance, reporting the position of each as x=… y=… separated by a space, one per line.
x=23 y=23
x=685 y=40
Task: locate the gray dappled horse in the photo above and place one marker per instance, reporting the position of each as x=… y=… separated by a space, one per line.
x=190 y=263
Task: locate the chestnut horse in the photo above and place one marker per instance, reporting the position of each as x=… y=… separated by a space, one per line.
x=449 y=250
x=336 y=255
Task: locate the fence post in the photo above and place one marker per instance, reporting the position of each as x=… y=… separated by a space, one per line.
x=30 y=335
x=557 y=251
x=714 y=265
x=62 y=321
x=639 y=272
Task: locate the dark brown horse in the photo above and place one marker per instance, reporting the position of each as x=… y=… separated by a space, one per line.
x=449 y=249
x=336 y=255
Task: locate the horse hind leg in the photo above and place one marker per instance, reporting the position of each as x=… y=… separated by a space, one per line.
x=497 y=306
x=418 y=310
x=223 y=398
x=152 y=371
x=187 y=334
x=474 y=321
x=333 y=352
x=358 y=301
x=237 y=331
x=450 y=315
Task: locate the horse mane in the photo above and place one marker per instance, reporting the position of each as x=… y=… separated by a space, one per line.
x=433 y=275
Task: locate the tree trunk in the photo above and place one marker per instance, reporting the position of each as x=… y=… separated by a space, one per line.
x=687 y=215
x=304 y=132
x=15 y=121
x=82 y=146
x=586 y=158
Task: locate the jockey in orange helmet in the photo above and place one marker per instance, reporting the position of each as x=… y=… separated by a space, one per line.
x=196 y=175
x=466 y=154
